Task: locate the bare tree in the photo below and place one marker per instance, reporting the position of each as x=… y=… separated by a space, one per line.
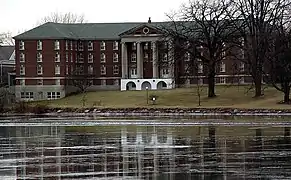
x=258 y=19
x=57 y=17
x=203 y=26
x=79 y=79
x=6 y=39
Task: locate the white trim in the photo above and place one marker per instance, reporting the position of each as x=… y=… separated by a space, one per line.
x=240 y=75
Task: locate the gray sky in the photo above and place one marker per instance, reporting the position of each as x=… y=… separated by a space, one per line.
x=20 y=15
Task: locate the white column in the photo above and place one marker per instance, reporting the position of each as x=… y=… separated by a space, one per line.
x=155 y=59
x=124 y=61
x=139 y=63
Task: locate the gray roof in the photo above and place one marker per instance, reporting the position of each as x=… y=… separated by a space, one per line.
x=104 y=31
x=6 y=52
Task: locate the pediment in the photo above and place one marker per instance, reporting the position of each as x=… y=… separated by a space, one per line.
x=142 y=30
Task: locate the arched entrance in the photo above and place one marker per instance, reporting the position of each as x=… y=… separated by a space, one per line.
x=130 y=86
x=162 y=85
x=146 y=85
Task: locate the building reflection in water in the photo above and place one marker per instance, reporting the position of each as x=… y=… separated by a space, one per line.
x=131 y=152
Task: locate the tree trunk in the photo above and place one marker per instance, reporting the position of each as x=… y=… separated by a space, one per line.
x=258 y=85
x=211 y=85
x=286 y=95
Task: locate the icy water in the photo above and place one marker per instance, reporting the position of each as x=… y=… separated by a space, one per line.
x=169 y=149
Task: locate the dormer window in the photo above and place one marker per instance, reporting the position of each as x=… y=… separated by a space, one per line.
x=90 y=46
x=21 y=45
x=57 y=45
x=102 y=46
x=39 y=45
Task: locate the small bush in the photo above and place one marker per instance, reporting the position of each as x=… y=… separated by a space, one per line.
x=20 y=107
x=40 y=109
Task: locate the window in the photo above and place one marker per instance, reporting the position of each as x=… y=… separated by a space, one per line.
x=21 y=45
x=103 y=82
x=115 y=45
x=165 y=57
x=53 y=95
x=81 y=58
x=22 y=70
x=81 y=46
x=26 y=95
x=103 y=58
x=39 y=69
x=39 y=57
x=22 y=82
x=115 y=57
x=146 y=46
x=223 y=54
x=57 y=70
x=222 y=67
x=90 y=58
x=146 y=57
x=67 y=45
x=71 y=57
x=22 y=57
x=90 y=69
x=115 y=69
x=58 y=82
x=116 y=82
x=57 y=45
x=241 y=67
x=57 y=57
x=165 y=72
x=102 y=46
x=76 y=45
x=39 y=45
x=187 y=56
x=67 y=57
x=103 y=70
x=133 y=72
x=222 y=80
x=133 y=46
x=90 y=46
x=40 y=82
x=133 y=57
x=242 y=41
x=67 y=69
x=200 y=68
x=71 y=45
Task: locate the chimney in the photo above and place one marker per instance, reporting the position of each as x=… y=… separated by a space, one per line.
x=149 y=21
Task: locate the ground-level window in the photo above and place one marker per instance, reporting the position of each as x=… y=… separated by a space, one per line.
x=222 y=80
x=53 y=95
x=26 y=95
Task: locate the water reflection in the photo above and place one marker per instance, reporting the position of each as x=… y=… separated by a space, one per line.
x=145 y=152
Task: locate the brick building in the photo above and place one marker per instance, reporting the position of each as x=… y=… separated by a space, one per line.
x=122 y=56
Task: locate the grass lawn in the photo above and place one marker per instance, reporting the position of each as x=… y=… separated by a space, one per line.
x=227 y=96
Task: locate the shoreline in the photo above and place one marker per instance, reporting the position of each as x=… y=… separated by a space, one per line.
x=150 y=112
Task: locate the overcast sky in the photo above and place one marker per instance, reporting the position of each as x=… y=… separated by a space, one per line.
x=20 y=15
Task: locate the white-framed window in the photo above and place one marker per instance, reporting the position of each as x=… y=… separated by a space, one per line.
x=90 y=46
x=102 y=46
x=57 y=45
x=57 y=70
x=133 y=72
x=242 y=67
x=57 y=82
x=71 y=57
x=115 y=57
x=53 y=95
x=67 y=45
x=67 y=57
x=26 y=95
x=200 y=68
x=187 y=56
x=81 y=46
x=21 y=57
x=116 y=82
x=90 y=58
x=222 y=80
x=146 y=46
x=39 y=69
x=39 y=45
x=165 y=72
x=81 y=58
x=115 y=69
x=22 y=70
x=165 y=57
x=103 y=70
x=57 y=57
x=103 y=58
x=39 y=57
x=90 y=69
x=21 y=45
x=40 y=82
x=133 y=46
x=115 y=45
x=71 y=45
x=222 y=67
x=22 y=82
x=67 y=69
x=133 y=57
x=103 y=82
x=76 y=45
